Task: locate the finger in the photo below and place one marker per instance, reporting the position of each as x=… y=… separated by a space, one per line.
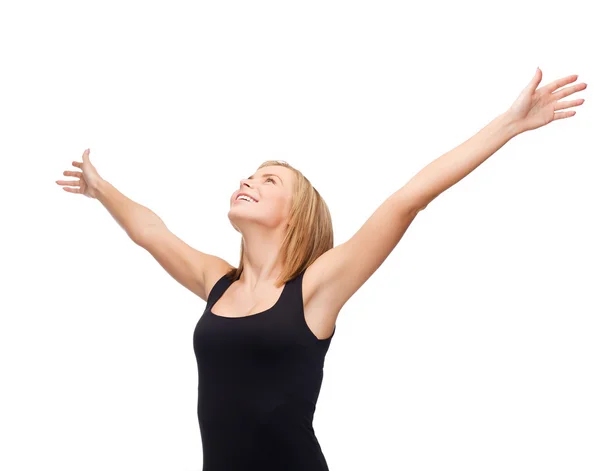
x=71 y=190
x=68 y=182
x=68 y=173
x=559 y=83
x=563 y=114
x=535 y=81
x=569 y=90
x=77 y=164
x=561 y=105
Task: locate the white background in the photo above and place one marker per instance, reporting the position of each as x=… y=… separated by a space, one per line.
x=473 y=347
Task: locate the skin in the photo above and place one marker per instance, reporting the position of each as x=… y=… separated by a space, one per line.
x=262 y=225
x=337 y=274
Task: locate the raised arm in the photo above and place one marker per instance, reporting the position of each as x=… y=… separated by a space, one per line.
x=337 y=274
x=193 y=269
x=533 y=108
x=131 y=216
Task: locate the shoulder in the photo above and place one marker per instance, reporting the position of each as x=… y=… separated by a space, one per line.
x=213 y=274
x=320 y=314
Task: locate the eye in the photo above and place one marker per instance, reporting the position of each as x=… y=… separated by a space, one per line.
x=269 y=178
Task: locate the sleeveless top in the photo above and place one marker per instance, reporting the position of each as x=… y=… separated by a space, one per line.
x=259 y=378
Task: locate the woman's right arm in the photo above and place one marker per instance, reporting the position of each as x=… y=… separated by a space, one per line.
x=195 y=270
x=131 y=216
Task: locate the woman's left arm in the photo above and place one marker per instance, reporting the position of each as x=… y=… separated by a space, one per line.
x=532 y=109
x=338 y=273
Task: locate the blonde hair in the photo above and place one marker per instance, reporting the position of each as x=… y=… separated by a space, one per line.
x=310 y=230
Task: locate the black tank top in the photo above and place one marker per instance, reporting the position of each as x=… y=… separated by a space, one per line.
x=259 y=378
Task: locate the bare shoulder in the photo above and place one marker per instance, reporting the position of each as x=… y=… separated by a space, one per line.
x=320 y=286
x=194 y=269
x=319 y=312
x=310 y=282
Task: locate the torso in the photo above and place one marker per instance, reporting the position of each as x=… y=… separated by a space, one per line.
x=234 y=303
x=260 y=359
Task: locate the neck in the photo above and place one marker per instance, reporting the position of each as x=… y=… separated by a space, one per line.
x=262 y=261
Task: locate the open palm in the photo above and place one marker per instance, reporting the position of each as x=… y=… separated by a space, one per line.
x=536 y=107
x=87 y=179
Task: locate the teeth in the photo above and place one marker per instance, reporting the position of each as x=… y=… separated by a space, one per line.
x=246 y=198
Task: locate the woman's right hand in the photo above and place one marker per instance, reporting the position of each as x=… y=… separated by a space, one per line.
x=88 y=179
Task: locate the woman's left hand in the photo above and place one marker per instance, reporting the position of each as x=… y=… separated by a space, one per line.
x=536 y=107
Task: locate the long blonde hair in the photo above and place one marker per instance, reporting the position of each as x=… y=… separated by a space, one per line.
x=310 y=230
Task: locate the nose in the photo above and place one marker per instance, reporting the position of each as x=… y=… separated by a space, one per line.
x=244 y=181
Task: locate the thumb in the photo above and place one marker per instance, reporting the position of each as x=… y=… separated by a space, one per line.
x=86 y=155
x=535 y=81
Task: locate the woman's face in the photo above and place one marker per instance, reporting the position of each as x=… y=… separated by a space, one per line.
x=272 y=190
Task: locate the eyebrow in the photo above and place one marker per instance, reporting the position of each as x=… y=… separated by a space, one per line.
x=267 y=175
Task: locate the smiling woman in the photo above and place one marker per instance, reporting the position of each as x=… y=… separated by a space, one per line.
x=293 y=208
x=261 y=352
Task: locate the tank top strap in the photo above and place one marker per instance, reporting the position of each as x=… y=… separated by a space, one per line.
x=217 y=290
x=296 y=301
x=290 y=300
x=295 y=288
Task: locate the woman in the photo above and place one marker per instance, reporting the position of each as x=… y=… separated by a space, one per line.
x=261 y=342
